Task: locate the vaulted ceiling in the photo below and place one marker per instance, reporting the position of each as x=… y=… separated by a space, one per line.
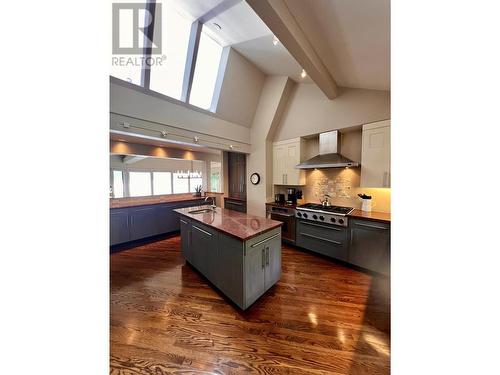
x=338 y=42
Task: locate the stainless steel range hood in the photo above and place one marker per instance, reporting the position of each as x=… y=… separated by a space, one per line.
x=329 y=154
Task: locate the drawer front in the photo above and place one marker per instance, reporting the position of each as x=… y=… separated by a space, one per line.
x=235 y=205
x=324 y=240
x=369 y=225
x=261 y=238
x=329 y=232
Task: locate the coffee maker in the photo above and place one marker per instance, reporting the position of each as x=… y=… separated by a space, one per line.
x=291 y=196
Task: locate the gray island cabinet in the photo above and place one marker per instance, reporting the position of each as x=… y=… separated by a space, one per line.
x=240 y=254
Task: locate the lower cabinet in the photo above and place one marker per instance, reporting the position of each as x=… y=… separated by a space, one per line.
x=243 y=271
x=262 y=265
x=134 y=223
x=370 y=245
x=142 y=222
x=204 y=245
x=119 y=228
x=329 y=240
x=186 y=240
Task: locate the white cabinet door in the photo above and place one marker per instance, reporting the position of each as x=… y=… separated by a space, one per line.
x=286 y=155
x=293 y=176
x=376 y=155
x=279 y=160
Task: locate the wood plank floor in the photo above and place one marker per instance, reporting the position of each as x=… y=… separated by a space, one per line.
x=321 y=318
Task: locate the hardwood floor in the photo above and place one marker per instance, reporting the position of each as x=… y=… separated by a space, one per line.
x=321 y=318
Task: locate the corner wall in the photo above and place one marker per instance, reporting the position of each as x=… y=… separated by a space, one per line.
x=272 y=103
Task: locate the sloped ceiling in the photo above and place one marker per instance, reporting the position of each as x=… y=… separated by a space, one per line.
x=352 y=38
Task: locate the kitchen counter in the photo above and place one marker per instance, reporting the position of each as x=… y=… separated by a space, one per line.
x=236 y=224
x=144 y=201
x=384 y=217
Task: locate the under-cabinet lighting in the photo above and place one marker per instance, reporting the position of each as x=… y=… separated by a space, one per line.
x=303 y=74
x=275 y=40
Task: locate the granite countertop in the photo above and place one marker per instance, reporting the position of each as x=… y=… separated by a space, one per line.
x=236 y=224
x=144 y=201
x=374 y=215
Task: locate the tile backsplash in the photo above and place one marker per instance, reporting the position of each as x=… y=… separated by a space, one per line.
x=342 y=185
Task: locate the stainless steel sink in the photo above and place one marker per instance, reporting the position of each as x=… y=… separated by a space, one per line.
x=201 y=211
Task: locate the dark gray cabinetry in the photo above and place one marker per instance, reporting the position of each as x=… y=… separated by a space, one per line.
x=235 y=204
x=237 y=175
x=262 y=265
x=329 y=240
x=142 y=222
x=204 y=245
x=243 y=271
x=370 y=245
x=186 y=240
x=119 y=228
x=166 y=219
x=230 y=276
x=134 y=223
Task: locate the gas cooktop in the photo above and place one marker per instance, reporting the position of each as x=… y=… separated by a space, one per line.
x=338 y=210
x=336 y=215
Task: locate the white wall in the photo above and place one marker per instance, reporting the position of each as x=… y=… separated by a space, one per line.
x=309 y=111
x=240 y=90
x=267 y=117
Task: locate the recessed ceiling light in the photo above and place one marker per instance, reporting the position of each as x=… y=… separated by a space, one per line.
x=303 y=74
x=217 y=26
x=275 y=40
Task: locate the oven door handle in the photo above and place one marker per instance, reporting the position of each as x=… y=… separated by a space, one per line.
x=280 y=214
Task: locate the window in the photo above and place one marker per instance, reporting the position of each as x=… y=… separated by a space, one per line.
x=139 y=184
x=168 y=77
x=170 y=73
x=162 y=183
x=206 y=71
x=181 y=183
x=117 y=184
x=215 y=174
x=194 y=181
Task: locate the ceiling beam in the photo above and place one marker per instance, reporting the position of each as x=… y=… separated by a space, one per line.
x=280 y=20
x=131 y=159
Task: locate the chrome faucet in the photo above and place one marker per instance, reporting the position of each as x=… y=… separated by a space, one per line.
x=213 y=202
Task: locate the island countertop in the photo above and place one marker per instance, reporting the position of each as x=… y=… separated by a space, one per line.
x=236 y=224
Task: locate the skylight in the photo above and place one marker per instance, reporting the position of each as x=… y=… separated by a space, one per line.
x=185 y=44
x=206 y=71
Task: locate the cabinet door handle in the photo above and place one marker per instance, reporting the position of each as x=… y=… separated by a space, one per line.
x=263 y=258
x=202 y=231
x=322 y=239
x=235 y=203
x=283 y=178
x=371 y=226
x=183 y=222
x=267 y=255
x=264 y=240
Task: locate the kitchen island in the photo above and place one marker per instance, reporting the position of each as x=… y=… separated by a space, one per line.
x=239 y=253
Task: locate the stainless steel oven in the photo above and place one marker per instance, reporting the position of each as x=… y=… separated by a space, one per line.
x=287 y=216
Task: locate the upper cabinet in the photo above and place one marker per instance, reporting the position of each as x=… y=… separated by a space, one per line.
x=376 y=155
x=286 y=155
x=237 y=175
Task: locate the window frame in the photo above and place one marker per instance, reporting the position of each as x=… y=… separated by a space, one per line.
x=189 y=67
x=126 y=181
